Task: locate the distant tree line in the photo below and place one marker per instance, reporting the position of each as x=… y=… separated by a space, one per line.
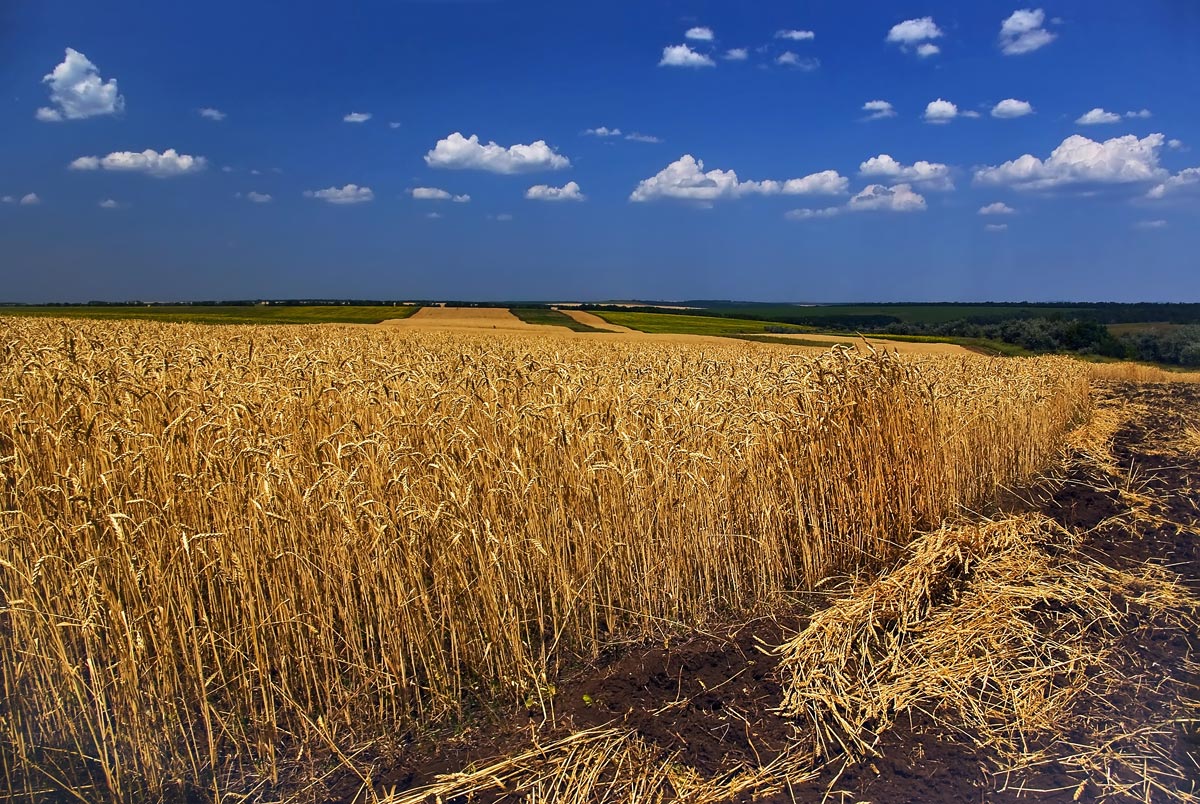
x=1176 y=345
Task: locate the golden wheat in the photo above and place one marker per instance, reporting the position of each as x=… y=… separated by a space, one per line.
x=224 y=550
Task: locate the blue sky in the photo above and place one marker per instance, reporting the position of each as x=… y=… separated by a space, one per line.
x=753 y=174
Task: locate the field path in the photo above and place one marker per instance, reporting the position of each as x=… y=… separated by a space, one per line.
x=592 y=320
x=903 y=347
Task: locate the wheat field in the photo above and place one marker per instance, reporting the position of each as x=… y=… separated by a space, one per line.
x=226 y=552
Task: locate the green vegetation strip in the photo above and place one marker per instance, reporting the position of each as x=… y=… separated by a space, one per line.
x=547 y=317
x=691 y=324
x=223 y=314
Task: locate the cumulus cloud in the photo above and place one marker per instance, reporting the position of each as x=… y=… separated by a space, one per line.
x=7 y=199
x=503 y=216
x=639 y=137
x=29 y=200
x=790 y=59
x=457 y=152
x=898 y=198
x=998 y=208
x=258 y=198
x=209 y=113
x=872 y=198
x=940 y=111
x=357 y=117
x=544 y=192
x=1097 y=117
x=1011 y=107
x=737 y=54
x=1079 y=160
x=109 y=203
x=1155 y=224
x=684 y=56
x=350 y=194
x=1141 y=114
x=699 y=34
x=603 y=131
x=996 y=227
x=1186 y=178
x=1175 y=145
x=77 y=91
x=795 y=36
x=437 y=194
x=685 y=179
x=1022 y=32
x=879 y=109
x=930 y=175
x=161 y=166
x=433 y=215
x=394 y=124
x=915 y=34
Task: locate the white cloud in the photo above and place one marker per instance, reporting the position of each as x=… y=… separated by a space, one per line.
x=879 y=109
x=996 y=227
x=29 y=200
x=1022 y=32
x=350 y=194
x=258 y=198
x=429 y=194
x=872 y=198
x=109 y=203
x=1187 y=177
x=790 y=59
x=699 y=34
x=684 y=56
x=503 y=216
x=433 y=215
x=1155 y=224
x=543 y=192
x=357 y=117
x=1079 y=160
x=437 y=194
x=915 y=35
x=805 y=214
x=394 y=124
x=8 y=199
x=78 y=92
x=1098 y=116
x=209 y=113
x=1011 y=107
x=898 y=198
x=910 y=32
x=998 y=208
x=940 y=111
x=737 y=54
x=795 y=36
x=1141 y=114
x=1175 y=145
x=930 y=175
x=457 y=152
x=638 y=137
x=686 y=179
x=161 y=166
x=603 y=131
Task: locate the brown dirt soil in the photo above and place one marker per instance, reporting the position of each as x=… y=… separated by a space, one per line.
x=709 y=698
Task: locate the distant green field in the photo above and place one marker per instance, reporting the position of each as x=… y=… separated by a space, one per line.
x=231 y=314
x=908 y=313
x=689 y=324
x=548 y=317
